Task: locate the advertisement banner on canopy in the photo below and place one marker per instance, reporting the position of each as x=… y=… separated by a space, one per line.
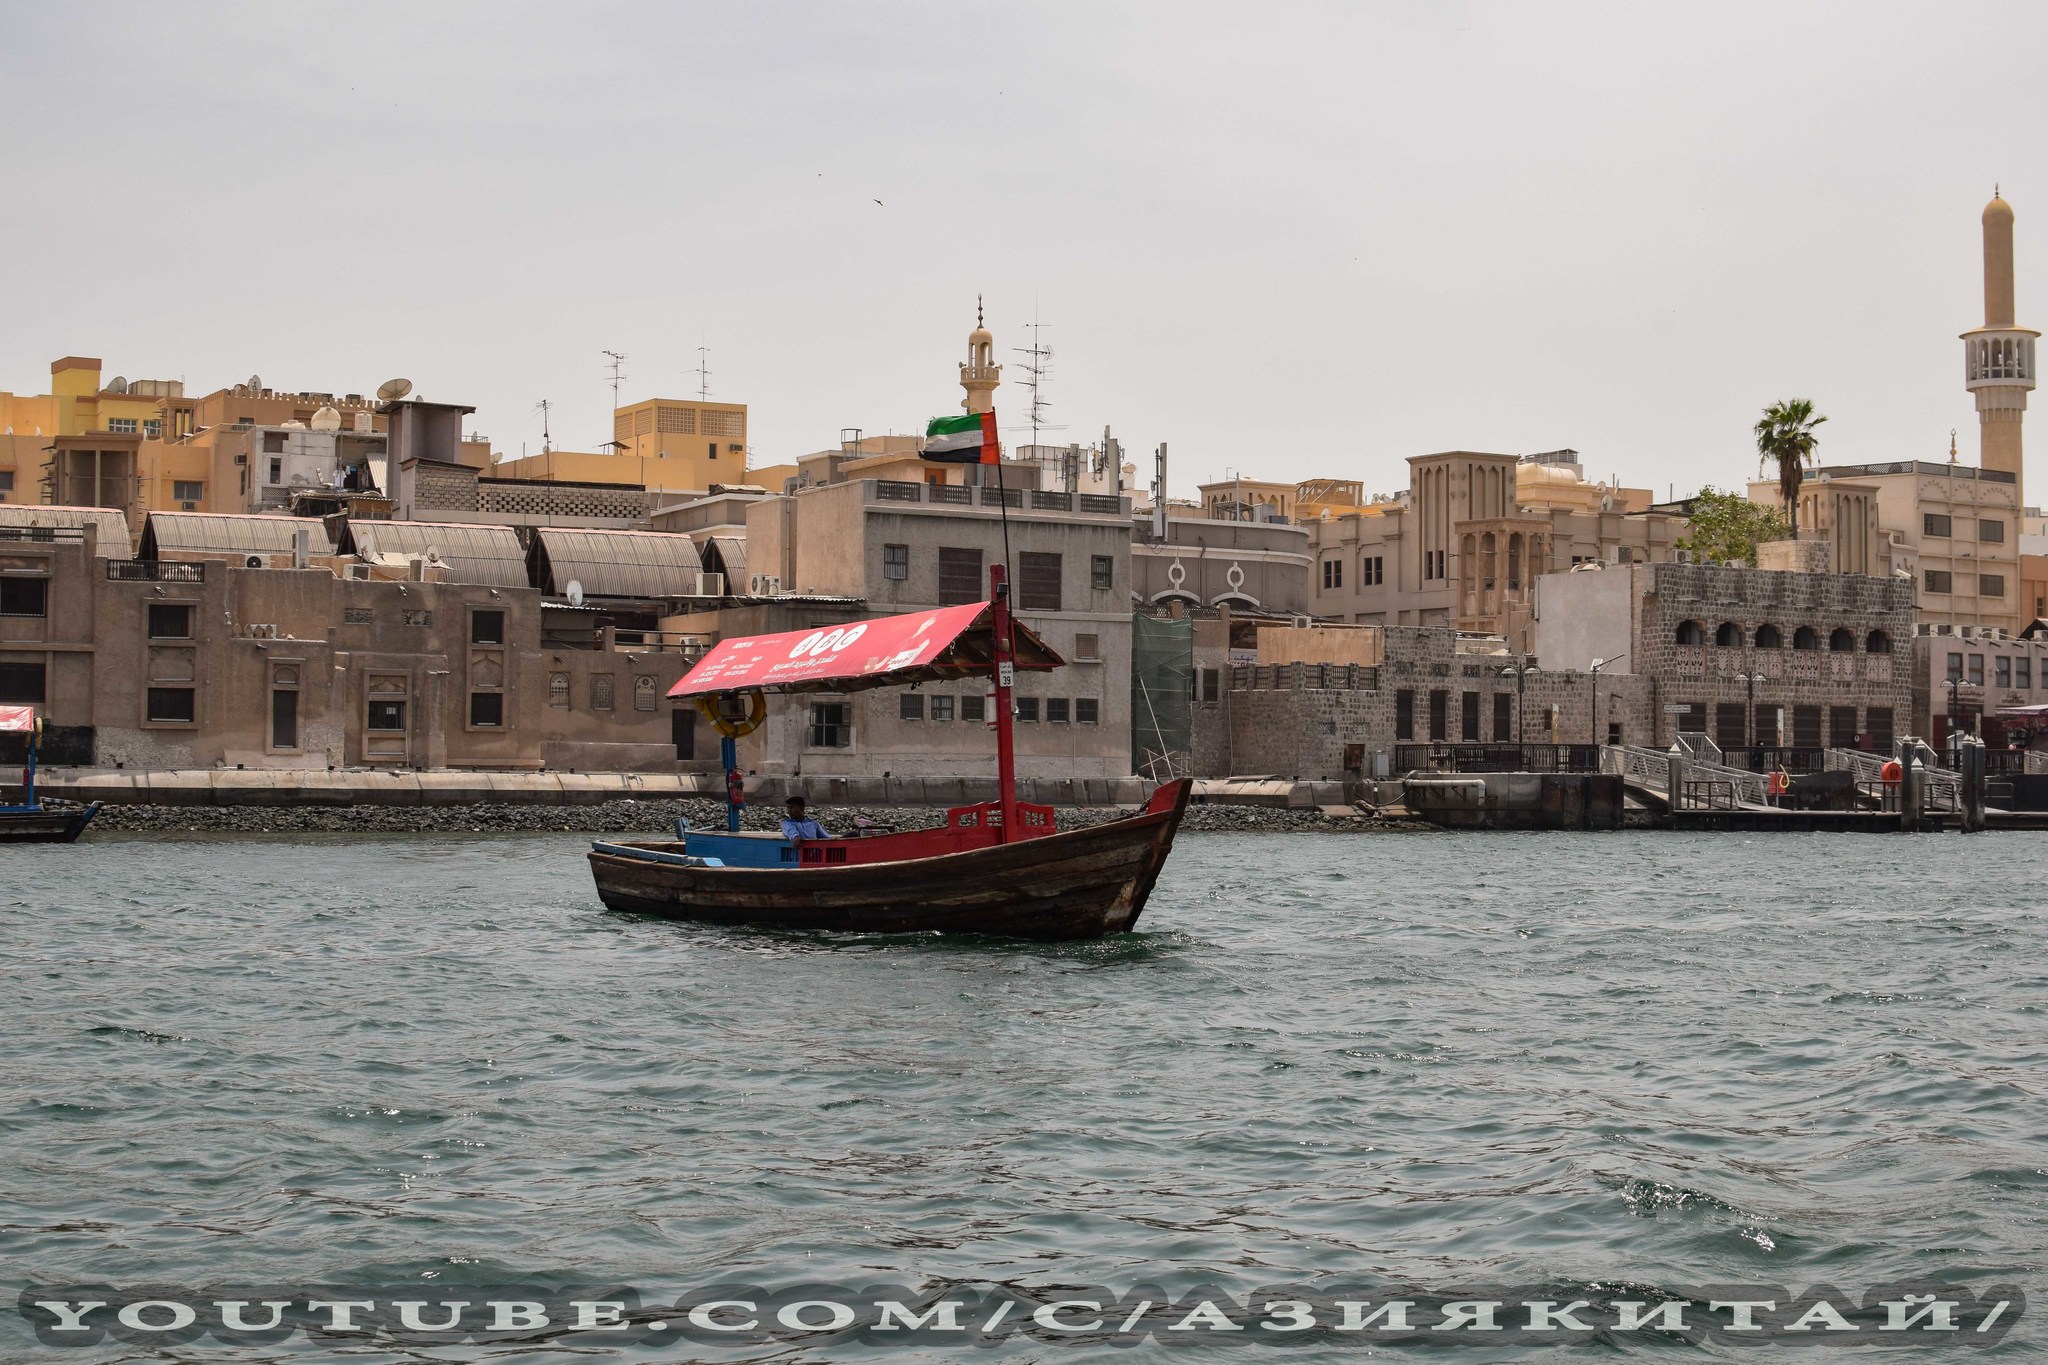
x=942 y=642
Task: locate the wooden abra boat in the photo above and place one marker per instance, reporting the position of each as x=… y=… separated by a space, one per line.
x=997 y=868
x=1081 y=884
x=32 y=822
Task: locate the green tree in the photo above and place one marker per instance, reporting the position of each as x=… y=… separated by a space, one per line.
x=1726 y=528
x=1784 y=436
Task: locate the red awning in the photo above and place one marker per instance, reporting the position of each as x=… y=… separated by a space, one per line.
x=889 y=651
x=17 y=718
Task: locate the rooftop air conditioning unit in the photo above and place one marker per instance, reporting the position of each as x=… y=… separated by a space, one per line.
x=255 y=562
x=359 y=571
x=1682 y=556
x=764 y=585
x=710 y=585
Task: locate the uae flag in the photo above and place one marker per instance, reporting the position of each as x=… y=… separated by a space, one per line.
x=967 y=439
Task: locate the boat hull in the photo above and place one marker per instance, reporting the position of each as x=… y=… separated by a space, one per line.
x=1079 y=884
x=45 y=826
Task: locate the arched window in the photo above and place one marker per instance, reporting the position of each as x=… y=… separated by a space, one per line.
x=1878 y=643
x=1806 y=637
x=1729 y=635
x=1769 y=637
x=1842 y=641
x=1691 y=633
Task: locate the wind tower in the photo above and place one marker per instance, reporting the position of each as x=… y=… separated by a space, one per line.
x=979 y=373
x=1998 y=358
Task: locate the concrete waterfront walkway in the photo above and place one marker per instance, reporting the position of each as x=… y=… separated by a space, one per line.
x=365 y=787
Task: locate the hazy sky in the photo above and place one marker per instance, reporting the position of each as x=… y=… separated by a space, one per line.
x=1291 y=240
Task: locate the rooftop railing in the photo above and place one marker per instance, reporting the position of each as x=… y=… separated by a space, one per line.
x=156 y=571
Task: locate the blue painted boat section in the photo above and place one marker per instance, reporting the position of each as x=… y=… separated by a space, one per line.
x=742 y=850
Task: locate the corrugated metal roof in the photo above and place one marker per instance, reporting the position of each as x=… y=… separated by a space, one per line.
x=487 y=555
x=732 y=556
x=112 y=524
x=176 y=533
x=615 y=563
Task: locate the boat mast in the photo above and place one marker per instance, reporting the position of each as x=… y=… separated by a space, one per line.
x=1004 y=671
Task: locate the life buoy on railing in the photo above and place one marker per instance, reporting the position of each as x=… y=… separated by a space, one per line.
x=1891 y=773
x=1780 y=783
x=732 y=727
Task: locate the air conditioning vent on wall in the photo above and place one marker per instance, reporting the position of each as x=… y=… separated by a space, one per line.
x=710 y=585
x=764 y=585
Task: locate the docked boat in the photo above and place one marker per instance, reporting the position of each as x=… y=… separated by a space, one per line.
x=998 y=867
x=33 y=821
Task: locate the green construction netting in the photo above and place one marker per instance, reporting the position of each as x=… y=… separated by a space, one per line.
x=1162 y=711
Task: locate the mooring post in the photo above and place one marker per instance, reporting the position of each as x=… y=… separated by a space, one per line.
x=1971 y=756
x=1674 y=777
x=1909 y=790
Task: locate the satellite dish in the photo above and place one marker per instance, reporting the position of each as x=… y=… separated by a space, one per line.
x=433 y=554
x=255 y=383
x=391 y=390
x=575 y=593
x=117 y=384
x=326 y=418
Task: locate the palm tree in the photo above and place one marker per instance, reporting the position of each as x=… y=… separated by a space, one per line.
x=1785 y=434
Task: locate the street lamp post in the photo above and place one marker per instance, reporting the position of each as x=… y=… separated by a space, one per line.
x=1520 y=673
x=1593 y=720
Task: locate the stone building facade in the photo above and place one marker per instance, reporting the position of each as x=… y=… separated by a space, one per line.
x=1432 y=686
x=1752 y=657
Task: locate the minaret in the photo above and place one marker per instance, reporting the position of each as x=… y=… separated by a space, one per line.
x=1998 y=358
x=979 y=373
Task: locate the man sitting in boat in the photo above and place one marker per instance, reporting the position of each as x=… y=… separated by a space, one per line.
x=797 y=825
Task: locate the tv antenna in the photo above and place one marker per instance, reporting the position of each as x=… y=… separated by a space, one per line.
x=618 y=359
x=547 y=440
x=703 y=374
x=1037 y=367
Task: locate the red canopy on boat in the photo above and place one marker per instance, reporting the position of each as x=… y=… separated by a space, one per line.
x=17 y=718
x=889 y=651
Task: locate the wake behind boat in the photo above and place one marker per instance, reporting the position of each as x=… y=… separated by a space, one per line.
x=998 y=868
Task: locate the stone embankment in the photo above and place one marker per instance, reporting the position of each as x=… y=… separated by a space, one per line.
x=656 y=819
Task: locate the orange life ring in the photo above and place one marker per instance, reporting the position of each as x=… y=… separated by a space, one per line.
x=1892 y=773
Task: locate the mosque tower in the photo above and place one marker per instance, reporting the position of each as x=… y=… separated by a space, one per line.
x=979 y=373
x=1998 y=358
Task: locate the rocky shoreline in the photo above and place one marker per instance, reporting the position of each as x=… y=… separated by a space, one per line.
x=655 y=819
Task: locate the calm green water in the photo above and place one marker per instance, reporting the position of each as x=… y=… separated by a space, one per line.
x=1674 y=1060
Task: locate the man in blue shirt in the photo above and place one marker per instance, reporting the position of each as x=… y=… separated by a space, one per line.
x=796 y=825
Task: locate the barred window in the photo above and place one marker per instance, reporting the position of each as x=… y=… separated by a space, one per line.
x=959 y=576
x=1101 y=572
x=974 y=706
x=1056 y=710
x=1027 y=708
x=1991 y=529
x=896 y=562
x=942 y=708
x=910 y=706
x=831 y=725
x=1087 y=711
x=1038 y=581
x=1991 y=585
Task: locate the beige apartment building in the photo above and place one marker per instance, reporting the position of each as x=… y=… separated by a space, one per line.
x=1464 y=544
x=1953 y=529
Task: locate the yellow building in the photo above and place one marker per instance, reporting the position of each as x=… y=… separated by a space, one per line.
x=677 y=445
